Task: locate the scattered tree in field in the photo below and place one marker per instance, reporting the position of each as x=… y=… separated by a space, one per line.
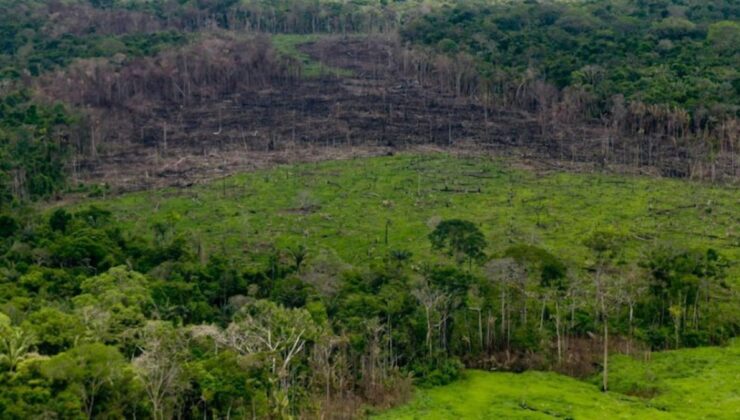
x=299 y=254
x=460 y=239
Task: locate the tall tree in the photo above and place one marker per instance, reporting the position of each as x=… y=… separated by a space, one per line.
x=606 y=246
x=91 y=371
x=160 y=366
x=460 y=239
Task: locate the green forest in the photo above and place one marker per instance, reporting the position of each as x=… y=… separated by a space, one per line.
x=369 y=209
x=680 y=54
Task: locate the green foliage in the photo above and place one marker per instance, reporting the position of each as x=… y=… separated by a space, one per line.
x=641 y=48
x=605 y=244
x=54 y=330
x=95 y=373
x=724 y=36
x=112 y=304
x=437 y=371
x=460 y=238
x=29 y=393
x=229 y=387
x=288 y=46
x=8 y=226
x=676 y=272
x=549 y=269
x=15 y=344
x=86 y=247
x=118 y=286
x=50 y=283
x=59 y=220
x=33 y=148
x=681 y=282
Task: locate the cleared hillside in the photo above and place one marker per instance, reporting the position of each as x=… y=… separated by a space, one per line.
x=345 y=207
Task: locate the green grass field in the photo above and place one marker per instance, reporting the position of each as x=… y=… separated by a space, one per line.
x=287 y=45
x=689 y=384
x=697 y=383
x=343 y=208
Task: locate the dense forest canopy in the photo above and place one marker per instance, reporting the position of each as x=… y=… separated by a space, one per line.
x=681 y=53
x=101 y=321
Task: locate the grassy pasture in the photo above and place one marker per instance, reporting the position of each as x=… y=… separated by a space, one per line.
x=683 y=384
x=345 y=208
x=287 y=45
x=530 y=395
x=697 y=383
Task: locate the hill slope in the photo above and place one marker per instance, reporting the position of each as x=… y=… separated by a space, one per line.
x=343 y=207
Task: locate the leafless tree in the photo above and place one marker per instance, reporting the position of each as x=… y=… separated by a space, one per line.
x=160 y=367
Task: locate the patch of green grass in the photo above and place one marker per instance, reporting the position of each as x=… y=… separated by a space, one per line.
x=698 y=383
x=343 y=207
x=529 y=395
x=287 y=45
x=690 y=384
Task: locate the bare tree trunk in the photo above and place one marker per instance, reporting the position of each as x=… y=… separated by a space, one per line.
x=605 y=383
x=542 y=315
x=429 y=332
x=164 y=137
x=557 y=332
x=480 y=328
x=503 y=313
x=631 y=328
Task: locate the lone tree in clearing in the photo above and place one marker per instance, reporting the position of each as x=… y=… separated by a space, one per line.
x=460 y=238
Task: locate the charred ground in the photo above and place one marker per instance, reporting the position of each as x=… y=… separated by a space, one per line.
x=229 y=103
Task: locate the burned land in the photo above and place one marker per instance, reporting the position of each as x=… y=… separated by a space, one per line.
x=228 y=104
